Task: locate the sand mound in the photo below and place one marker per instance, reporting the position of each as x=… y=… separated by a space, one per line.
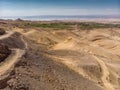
x=67 y=44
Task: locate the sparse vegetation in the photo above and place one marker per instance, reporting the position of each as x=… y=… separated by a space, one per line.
x=89 y=26
x=50 y=25
x=70 y=26
x=64 y=25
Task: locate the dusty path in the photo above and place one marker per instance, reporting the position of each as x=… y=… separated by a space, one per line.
x=11 y=61
x=8 y=34
x=105 y=71
x=29 y=32
x=105 y=75
x=25 y=43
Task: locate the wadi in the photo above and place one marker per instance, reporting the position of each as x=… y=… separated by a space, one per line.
x=59 y=55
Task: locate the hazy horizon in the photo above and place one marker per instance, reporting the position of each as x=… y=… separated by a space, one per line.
x=58 y=7
x=63 y=17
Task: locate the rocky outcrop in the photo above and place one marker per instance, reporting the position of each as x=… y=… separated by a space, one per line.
x=4 y=52
x=2 y=31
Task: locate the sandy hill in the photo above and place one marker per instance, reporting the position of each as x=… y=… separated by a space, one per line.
x=61 y=57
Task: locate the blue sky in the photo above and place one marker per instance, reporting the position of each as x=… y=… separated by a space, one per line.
x=59 y=7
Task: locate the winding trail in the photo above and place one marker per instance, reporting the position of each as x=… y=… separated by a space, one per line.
x=105 y=75
x=7 y=35
x=105 y=71
x=12 y=59
x=25 y=43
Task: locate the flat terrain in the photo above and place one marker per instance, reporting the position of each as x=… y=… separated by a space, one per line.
x=60 y=55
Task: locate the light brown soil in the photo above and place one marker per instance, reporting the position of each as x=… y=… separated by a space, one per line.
x=61 y=59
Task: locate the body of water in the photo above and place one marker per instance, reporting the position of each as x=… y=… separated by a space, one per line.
x=63 y=17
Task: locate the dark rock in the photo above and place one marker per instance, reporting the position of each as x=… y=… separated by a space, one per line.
x=19 y=19
x=2 y=31
x=4 y=52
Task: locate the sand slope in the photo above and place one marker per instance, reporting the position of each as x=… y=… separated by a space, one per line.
x=65 y=60
x=91 y=54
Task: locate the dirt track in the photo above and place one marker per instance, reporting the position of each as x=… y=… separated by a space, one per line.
x=7 y=35
x=105 y=75
x=9 y=63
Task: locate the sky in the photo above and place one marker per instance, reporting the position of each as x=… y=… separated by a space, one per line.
x=59 y=7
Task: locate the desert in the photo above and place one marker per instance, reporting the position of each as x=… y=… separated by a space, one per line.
x=59 y=55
